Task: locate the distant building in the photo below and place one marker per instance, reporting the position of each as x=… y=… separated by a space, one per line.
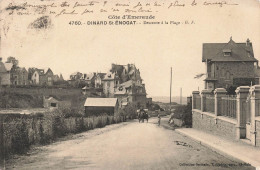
x=229 y=64
x=5 y=73
x=56 y=78
x=131 y=92
x=31 y=70
x=48 y=78
x=88 y=79
x=52 y=102
x=42 y=77
x=110 y=82
x=76 y=76
x=19 y=76
x=98 y=80
x=75 y=79
x=99 y=106
x=119 y=74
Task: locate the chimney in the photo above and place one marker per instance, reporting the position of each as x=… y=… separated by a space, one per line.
x=248 y=42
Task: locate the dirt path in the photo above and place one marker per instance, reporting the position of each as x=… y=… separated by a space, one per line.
x=126 y=146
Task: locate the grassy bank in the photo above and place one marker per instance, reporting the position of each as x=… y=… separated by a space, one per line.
x=17 y=134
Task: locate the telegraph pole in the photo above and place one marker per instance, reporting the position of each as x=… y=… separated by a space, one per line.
x=171 y=92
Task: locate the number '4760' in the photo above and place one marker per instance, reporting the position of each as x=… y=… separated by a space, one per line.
x=75 y=23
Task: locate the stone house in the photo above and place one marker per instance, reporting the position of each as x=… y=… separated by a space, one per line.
x=19 y=76
x=48 y=77
x=119 y=74
x=110 y=82
x=229 y=64
x=75 y=76
x=37 y=76
x=31 y=70
x=98 y=80
x=75 y=79
x=5 y=73
x=42 y=77
x=88 y=79
x=56 y=78
x=99 y=106
x=131 y=92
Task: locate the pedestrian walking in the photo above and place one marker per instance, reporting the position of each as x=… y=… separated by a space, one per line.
x=159 y=119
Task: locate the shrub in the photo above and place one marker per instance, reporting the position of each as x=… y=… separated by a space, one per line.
x=184 y=113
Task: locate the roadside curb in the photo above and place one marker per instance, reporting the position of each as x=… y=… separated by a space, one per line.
x=220 y=149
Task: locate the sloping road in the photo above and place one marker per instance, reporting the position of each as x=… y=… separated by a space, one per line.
x=130 y=145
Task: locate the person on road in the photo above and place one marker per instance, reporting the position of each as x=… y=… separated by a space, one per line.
x=159 y=119
x=171 y=121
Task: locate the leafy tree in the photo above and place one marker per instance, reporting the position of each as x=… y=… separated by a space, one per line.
x=13 y=61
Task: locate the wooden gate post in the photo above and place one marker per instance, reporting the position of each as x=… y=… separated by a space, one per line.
x=255 y=95
x=242 y=93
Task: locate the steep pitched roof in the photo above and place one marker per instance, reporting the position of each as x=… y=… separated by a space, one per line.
x=101 y=75
x=109 y=76
x=239 y=51
x=47 y=70
x=117 y=68
x=101 y=102
x=40 y=71
x=89 y=76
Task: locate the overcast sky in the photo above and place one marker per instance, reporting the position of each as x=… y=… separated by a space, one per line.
x=152 y=48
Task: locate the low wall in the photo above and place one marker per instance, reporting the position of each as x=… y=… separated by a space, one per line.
x=257 y=124
x=208 y=122
x=18 y=134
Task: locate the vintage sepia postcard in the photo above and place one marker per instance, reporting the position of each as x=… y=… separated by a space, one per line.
x=130 y=84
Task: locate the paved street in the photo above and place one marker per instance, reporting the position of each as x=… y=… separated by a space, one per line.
x=129 y=145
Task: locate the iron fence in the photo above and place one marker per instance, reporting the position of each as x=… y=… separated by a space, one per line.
x=228 y=106
x=197 y=102
x=257 y=105
x=210 y=103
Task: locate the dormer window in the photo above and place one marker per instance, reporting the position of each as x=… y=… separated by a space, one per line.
x=227 y=52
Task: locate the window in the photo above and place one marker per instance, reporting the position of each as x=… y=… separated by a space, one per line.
x=53 y=104
x=227 y=52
